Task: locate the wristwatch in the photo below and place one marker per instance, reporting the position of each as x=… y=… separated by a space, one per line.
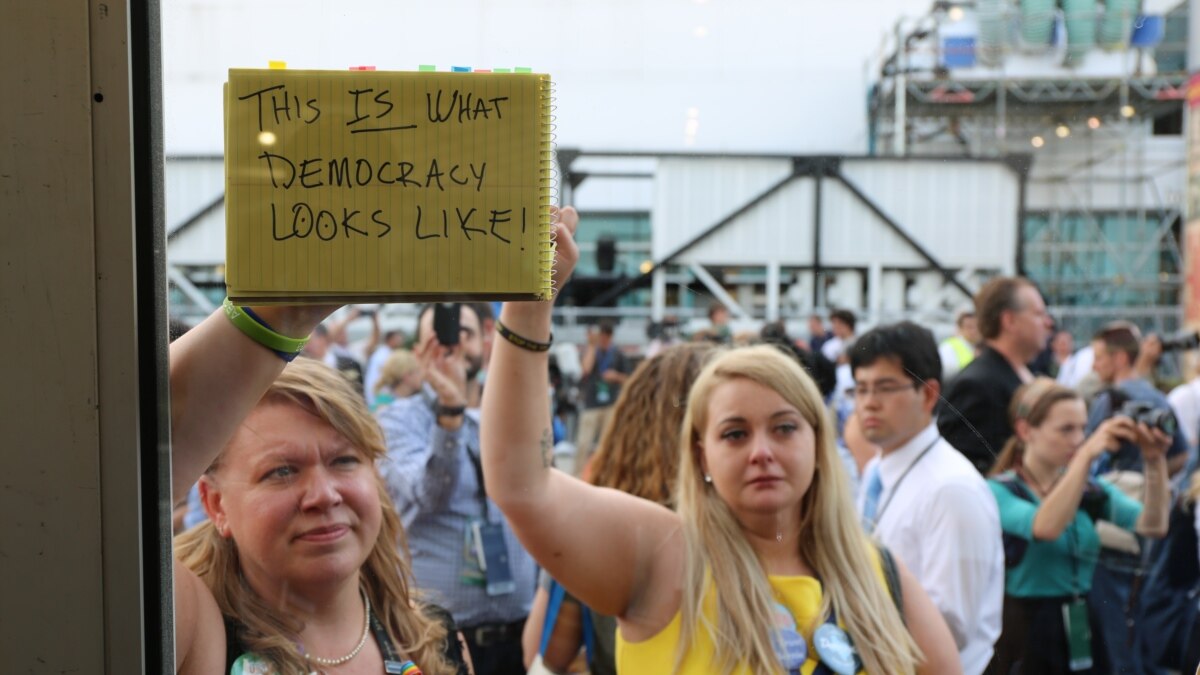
x=448 y=410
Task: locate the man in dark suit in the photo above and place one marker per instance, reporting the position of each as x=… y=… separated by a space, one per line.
x=1014 y=324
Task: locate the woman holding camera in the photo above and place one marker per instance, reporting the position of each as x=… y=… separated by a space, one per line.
x=1048 y=509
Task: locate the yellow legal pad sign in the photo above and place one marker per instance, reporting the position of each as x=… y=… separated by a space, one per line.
x=354 y=186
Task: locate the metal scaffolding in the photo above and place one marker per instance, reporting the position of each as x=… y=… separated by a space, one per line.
x=1103 y=212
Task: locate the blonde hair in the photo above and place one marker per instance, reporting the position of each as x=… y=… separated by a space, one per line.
x=1032 y=403
x=639 y=449
x=838 y=550
x=395 y=369
x=386 y=574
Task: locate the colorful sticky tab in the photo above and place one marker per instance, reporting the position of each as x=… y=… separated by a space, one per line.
x=426 y=69
x=460 y=69
x=502 y=70
x=277 y=65
x=520 y=69
x=362 y=67
x=483 y=70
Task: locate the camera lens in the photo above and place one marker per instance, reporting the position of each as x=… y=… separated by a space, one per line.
x=1162 y=420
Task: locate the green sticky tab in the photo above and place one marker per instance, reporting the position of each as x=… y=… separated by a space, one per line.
x=501 y=70
x=519 y=69
x=426 y=68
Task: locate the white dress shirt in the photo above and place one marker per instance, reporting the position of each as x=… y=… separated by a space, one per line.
x=941 y=520
x=1076 y=367
x=833 y=348
x=1185 y=402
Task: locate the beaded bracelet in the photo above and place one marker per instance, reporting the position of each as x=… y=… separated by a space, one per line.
x=523 y=342
x=253 y=326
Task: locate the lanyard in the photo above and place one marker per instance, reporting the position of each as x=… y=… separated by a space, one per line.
x=896 y=487
x=1072 y=532
x=480 y=491
x=392 y=661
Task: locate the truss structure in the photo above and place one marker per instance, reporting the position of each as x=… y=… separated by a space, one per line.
x=1094 y=257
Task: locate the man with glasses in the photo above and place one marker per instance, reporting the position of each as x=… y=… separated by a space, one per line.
x=1014 y=325
x=920 y=496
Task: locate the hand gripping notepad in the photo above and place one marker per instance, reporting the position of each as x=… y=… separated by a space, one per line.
x=373 y=186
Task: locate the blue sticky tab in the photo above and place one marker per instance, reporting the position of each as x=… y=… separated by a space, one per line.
x=460 y=69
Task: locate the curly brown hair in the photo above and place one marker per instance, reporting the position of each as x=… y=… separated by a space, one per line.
x=638 y=451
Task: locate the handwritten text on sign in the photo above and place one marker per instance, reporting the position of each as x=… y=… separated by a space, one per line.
x=383 y=182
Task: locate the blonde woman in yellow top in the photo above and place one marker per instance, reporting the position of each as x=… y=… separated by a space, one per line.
x=763 y=568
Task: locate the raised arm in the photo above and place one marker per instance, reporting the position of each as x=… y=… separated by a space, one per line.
x=602 y=545
x=1057 y=510
x=217 y=376
x=1156 y=502
x=425 y=449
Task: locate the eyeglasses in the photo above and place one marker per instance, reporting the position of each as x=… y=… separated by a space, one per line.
x=882 y=390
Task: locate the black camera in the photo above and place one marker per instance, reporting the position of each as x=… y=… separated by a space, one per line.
x=1181 y=342
x=1094 y=501
x=1150 y=415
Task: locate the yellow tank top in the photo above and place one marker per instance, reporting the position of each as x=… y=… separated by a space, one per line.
x=656 y=656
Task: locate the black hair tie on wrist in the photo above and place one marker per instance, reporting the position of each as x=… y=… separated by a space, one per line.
x=523 y=342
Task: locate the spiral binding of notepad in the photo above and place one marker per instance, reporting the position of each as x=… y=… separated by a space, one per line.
x=549 y=177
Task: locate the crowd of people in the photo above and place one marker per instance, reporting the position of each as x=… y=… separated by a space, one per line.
x=736 y=503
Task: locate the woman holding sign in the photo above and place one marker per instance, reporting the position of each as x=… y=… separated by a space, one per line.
x=763 y=567
x=298 y=569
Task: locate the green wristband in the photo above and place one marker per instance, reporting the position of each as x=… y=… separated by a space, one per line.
x=256 y=329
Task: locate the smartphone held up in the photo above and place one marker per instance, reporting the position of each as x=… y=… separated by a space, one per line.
x=445 y=323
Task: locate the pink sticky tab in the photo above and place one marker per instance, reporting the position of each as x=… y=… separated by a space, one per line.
x=483 y=70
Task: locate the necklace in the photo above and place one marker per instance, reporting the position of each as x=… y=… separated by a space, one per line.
x=361 y=641
x=1037 y=484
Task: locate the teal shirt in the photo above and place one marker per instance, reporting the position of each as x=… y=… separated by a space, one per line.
x=1063 y=566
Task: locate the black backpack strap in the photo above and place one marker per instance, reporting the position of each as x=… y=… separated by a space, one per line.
x=1014 y=546
x=1014 y=485
x=891 y=574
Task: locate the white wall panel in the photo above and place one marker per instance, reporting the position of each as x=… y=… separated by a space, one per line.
x=692 y=194
x=191 y=184
x=779 y=229
x=202 y=243
x=852 y=235
x=600 y=193
x=964 y=213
